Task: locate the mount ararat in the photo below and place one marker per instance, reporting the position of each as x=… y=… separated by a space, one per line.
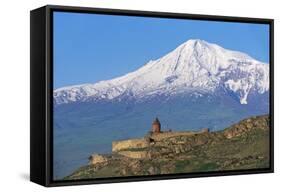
x=194 y=66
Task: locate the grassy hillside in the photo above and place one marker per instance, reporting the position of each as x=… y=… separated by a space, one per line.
x=244 y=145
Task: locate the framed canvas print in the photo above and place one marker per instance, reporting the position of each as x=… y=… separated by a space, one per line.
x=119 y=95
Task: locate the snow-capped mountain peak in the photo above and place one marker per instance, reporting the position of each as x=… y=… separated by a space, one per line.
x=194 y=66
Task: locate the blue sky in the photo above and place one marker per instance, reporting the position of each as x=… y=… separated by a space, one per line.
x=89 y=47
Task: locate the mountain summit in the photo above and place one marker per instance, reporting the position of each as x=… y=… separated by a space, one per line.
x=195 y=67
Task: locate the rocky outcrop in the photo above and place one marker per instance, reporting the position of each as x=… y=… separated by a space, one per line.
x=136 y=154
x=257 y=122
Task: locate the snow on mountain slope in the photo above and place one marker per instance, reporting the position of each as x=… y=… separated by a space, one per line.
x=194 y=66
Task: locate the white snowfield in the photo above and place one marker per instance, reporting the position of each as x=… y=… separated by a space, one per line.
x=195 y=66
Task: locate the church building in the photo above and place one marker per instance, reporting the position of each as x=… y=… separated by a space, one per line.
x=156 y=126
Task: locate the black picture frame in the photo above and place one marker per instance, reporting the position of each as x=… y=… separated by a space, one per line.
x=41 y=83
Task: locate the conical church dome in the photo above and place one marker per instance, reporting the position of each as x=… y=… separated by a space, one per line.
x=156 y=126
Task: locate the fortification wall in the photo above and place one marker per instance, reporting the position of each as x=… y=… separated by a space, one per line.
x=142 y=142
x=129 y=144
x=164 y=135
x=96 y=158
